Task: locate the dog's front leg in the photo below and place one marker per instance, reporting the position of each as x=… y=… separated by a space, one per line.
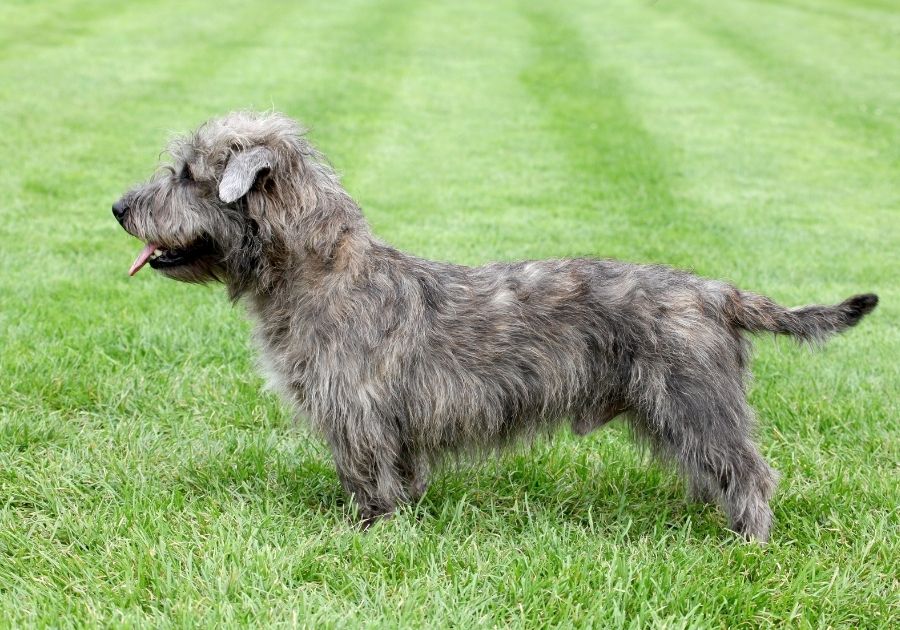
x=414 y=470
x=366 y=452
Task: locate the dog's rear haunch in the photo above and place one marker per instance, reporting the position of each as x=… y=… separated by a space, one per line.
x=398 y=361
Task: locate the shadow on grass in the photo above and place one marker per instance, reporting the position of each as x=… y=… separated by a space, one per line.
x=515 y=492
x=626 y=504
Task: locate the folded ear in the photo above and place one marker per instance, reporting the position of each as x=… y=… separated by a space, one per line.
x=241 y=171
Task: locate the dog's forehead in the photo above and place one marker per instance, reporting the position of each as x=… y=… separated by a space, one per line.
x=200 y=148
x=211 y=144
x=186 y=149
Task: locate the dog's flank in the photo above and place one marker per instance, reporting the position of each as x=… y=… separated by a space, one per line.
x=399 y=361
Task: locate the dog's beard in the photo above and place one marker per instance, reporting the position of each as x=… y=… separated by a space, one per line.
x=197 y=272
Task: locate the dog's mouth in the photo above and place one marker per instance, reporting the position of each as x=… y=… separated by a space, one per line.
x=161 y=257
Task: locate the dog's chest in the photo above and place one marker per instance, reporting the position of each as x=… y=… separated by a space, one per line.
x=273 y=370
x=282 y=358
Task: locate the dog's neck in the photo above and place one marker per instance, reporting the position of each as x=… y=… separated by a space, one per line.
x=316 y=250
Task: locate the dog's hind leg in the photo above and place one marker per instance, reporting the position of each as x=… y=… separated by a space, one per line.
x=745 y=484
x=703 y=488
x=706 y=431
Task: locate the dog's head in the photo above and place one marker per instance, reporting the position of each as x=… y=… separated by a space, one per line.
x=200 y=216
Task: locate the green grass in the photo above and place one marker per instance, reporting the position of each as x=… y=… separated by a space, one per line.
x=145 y=478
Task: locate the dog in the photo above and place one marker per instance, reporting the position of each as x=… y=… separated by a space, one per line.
x=398 y=362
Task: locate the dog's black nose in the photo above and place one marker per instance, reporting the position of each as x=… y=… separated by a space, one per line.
x=120 y=210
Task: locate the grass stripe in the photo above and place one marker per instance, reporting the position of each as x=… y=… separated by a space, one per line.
x=618 y=164
x=878 y=22
x=730 y=160
x=38 y=30
x=797 y=70
x=345 y=106
x=491 y=174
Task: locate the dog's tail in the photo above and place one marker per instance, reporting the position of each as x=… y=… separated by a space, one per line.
x=814 y=324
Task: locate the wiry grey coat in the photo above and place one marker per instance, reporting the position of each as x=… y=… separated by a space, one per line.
x=397 y=361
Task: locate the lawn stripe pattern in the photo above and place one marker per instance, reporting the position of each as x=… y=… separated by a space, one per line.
x=147 y=480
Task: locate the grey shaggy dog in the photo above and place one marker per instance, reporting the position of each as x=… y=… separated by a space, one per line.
x=398 y=361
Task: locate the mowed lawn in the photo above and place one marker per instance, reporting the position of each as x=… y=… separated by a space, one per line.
x=147 y=480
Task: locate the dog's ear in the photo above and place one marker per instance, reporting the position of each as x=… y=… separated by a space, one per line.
x=242 y=170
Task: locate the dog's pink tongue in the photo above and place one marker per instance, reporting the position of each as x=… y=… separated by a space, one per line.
x=142 y=258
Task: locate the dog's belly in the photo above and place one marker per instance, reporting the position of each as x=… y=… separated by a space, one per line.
x=585 y=422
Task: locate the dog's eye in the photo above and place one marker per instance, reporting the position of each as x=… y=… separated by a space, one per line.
x=186 y=174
